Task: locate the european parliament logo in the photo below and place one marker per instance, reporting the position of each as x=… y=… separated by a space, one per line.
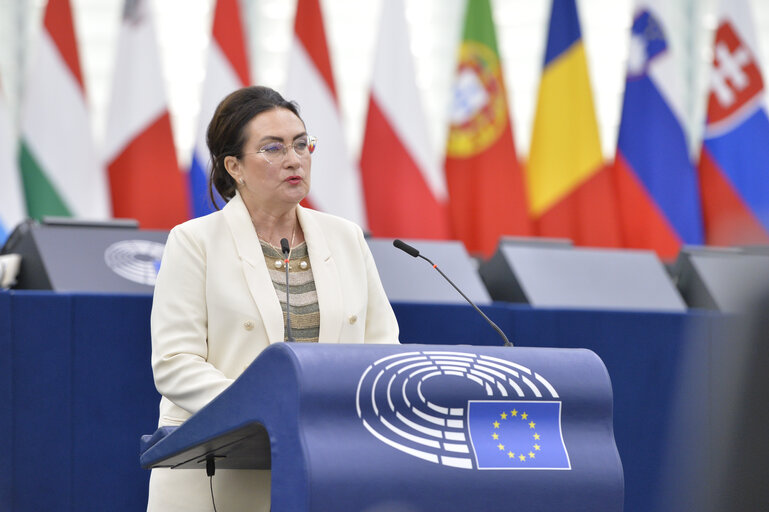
x=497 y=414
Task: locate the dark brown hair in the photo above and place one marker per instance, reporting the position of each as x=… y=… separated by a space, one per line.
x=227 y=131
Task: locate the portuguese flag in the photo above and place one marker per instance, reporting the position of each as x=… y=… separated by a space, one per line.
x=485 y=183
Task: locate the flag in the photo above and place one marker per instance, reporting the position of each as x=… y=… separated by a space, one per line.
x=61 y=173
x=570 y=189
x=403 y=184
x=517 y=434
x=487 y=195
x=144 y=173
x=734 y=161
x=226 y=71
x=11 y=201
x=656 y=181
x=336 y=184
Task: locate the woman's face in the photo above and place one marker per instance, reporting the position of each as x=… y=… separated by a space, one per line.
x=272 y=181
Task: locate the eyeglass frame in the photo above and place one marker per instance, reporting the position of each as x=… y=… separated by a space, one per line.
x=312 y=142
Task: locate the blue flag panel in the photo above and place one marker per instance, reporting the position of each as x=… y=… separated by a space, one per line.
x=517 y=435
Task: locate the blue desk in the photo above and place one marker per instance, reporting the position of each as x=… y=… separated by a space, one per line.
x=76 y=389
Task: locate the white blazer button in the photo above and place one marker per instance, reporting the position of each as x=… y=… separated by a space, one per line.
x=249 y=325
x=353 y=319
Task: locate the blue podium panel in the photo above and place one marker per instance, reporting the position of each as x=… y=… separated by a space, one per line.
x=78 y=390
x=425 y=427
x=6 y=396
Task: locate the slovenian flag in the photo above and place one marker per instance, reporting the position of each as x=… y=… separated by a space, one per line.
x=336 y=182
x=734 y=162
x=656 y=180
x=571 y=191
x=11 y=201
x=403 y=183
x=487 y=197
x=60 y=167
x=226 y=70
x=145 y=179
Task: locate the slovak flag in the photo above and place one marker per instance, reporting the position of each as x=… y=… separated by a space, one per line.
x=734 y=162
x=656 y=181
x=226 y=71
x=403 y=182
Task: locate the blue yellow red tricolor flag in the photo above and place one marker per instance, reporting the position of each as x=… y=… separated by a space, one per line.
x=656 y=181
x=571 y=192
x=487 y=196
x=734 y=162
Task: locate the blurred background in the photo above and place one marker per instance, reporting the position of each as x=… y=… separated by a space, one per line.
x=434 y=31
x=184 y=32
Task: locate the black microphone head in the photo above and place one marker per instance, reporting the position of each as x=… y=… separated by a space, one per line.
x=284 y=246
x=403 y=246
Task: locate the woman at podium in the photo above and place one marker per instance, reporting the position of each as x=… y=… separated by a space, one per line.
x=220 y=296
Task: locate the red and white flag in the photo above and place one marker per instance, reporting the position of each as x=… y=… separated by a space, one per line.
x=335 y=186
x=145 y=179
x=226 y=71
x=403 y=183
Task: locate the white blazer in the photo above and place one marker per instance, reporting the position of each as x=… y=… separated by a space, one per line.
x=215 y=309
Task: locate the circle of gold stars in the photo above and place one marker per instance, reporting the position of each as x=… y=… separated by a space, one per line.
x=524 y=416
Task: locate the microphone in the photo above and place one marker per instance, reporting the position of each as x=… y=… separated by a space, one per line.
x=286 y=248
x=411 y=251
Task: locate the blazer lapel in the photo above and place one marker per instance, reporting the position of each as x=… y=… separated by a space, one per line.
x=254 y=269
x=327 y=284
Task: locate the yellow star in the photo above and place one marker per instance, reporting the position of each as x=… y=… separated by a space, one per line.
x=501 y=446
x=524 y=416
x=522 y=457
x=536 y=436
x=504 y=415
x=514 y=412
x=531 y=424
x=531 y=455
x=511 y=455
x=495 y=436
x=537 y=447
x=496 y=424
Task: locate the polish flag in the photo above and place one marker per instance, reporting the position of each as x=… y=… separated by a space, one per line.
x=336 y=184
x=404 y=187
x=61 y=172
x=139 y=147
x=226 y=71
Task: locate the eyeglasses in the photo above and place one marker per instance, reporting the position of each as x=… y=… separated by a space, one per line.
x=275 y=152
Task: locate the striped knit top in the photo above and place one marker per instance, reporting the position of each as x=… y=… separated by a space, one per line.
x=305 y=315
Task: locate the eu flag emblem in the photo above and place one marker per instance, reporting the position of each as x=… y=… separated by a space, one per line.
x=517 y=434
